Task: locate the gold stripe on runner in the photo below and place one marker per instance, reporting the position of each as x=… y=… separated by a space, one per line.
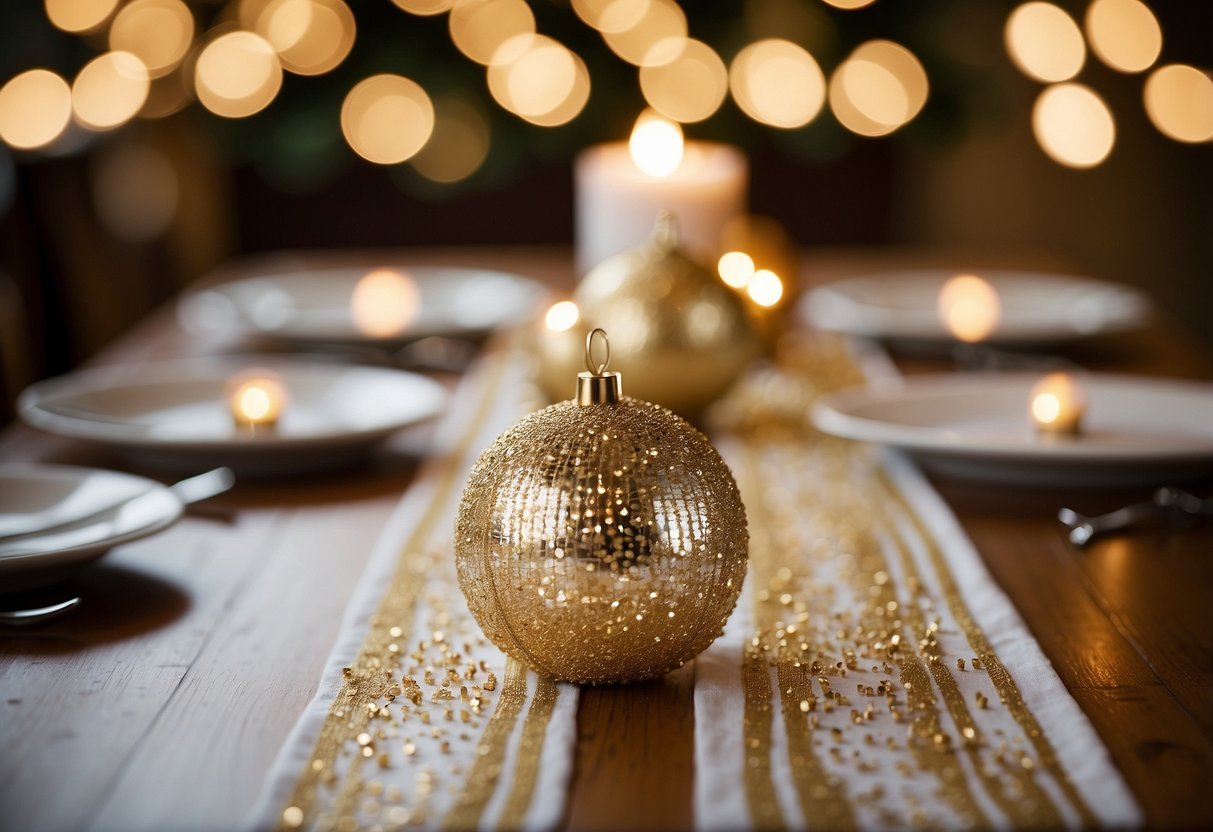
x=759 y=787
x=1008 y=691
x=821 y=802
x=530 y=752
x=490 y=753
x=369 y=675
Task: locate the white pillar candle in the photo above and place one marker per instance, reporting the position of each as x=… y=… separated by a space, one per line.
x=621 y=188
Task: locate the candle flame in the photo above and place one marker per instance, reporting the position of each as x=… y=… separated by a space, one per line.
x=384 y=303
x=1056 y=404
x=656 y=144
x=256 y=397
x=969 y=307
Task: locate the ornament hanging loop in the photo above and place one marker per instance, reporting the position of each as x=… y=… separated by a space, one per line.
x=596 y=368
x=598 y=386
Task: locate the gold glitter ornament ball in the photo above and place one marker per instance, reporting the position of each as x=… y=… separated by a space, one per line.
x=601 y=539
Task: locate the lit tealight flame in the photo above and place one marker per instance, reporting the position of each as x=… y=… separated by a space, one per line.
x=765 y=288
x=1056 y=404
x=256 y=398
x=562 y=317
x=736 y=269
x=656 y=144
x=969 y=307
x=384 y=303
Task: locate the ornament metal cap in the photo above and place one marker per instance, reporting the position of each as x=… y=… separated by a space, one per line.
x=598 y=386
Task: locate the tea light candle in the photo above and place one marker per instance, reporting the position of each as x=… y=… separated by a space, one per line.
x=969 y=307
x=621 y=187
x=256 y=398
x=1056 y=405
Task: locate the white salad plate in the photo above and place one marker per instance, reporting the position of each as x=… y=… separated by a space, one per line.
x=174 y=415
x=1036 y=308
x=1136 y=431
x=54 y=519
x=316 y=306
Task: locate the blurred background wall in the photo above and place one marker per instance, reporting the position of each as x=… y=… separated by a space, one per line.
x=102 y=227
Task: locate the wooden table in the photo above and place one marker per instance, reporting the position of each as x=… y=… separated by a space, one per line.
x=162 y=701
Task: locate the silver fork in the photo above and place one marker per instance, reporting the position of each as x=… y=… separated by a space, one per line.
x=1168 y=503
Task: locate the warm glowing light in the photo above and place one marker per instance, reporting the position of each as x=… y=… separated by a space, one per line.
x=1056 y=404
x=689 y=88
x=539 y=80
x=35 y=109
x=1045 y=42
x=562 y=317
x=387 y=118
x=110 y=90
x=655 y=38
x=79 y=15
x=611 y=15
x=311 y=37
x=1179 y=101
x=460 y=143
x=1073 y=125
x=237 y=74
x=735 y=268
x=157 y=32
x=1124 y=34
x=425 y=8
x=656 y=144
x=878 y=88
x=480 y=27
x=765 y=288
x=969 y=307
x=849 y=4
x=384 y=303
x=256 y=398
x=135 y=191
x=777 y=83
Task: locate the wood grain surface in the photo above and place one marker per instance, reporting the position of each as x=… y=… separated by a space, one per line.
x=161 y=703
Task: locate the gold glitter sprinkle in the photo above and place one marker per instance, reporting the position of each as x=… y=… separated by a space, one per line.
x=292 y=817
x=960 y=664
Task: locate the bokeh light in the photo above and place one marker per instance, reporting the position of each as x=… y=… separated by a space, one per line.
x=1124 y=34
x=656 y=144
x=387 y=118
x=110 y=90
x=611 y=15
x=384 y=303
x=1045 y=42
x=1179 y=102
x=689 y=88
x=311 y=37
x=777 y=83
x=849 y=4
x=460 y=143
x=1073 y=125
x=79 y=15
x=969 y=307
x=562 y=316
x=35 y=109
x=735 y=268
x=765 y=288
x=655 y=38
x=480 y=27
x=167 y=95
x=878 y=88
x=237 y=74
x=425 y=8
x=539 y=80
x=135 y=191
x=157 y=32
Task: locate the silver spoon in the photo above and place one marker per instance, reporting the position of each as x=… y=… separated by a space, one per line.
x=1168 y=502
x=37 y=615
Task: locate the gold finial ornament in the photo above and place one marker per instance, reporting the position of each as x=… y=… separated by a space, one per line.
x=683 y=335
x=601 y=539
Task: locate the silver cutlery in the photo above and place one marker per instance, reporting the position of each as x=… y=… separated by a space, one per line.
x=37 y=615
x=1168 y=503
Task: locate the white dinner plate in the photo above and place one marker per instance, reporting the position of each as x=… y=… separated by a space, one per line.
x=174 y=415
x=315 y=306
x=1037 y=308
x=56 y=518
x=1136 y=431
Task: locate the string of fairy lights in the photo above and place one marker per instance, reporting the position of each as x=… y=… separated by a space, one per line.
x=156 y=60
